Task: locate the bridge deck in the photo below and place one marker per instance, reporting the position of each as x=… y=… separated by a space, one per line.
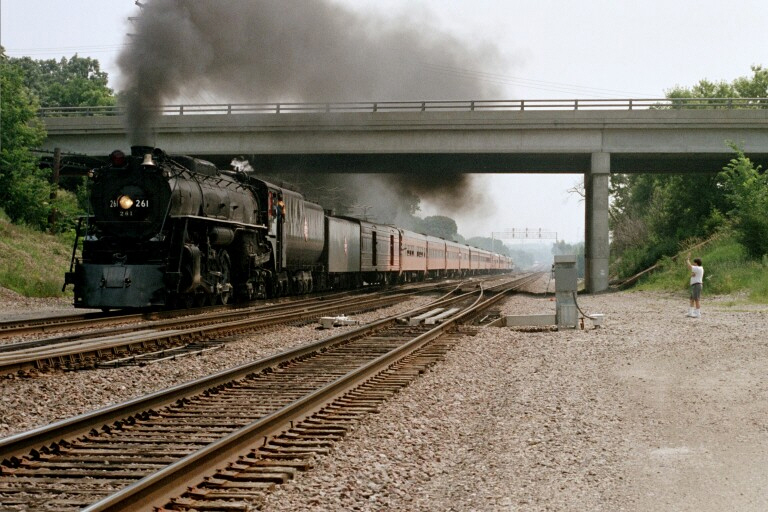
x=670 y=140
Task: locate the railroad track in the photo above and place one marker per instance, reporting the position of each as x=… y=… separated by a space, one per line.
x=177 y=336
x=52 y=324
x=122 y=345
x=92 y=320
x=57 y=323
x=233 y=434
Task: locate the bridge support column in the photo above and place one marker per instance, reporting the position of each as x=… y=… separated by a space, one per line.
x=596 y=248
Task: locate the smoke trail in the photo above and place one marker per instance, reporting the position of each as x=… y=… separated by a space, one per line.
x=270 y=51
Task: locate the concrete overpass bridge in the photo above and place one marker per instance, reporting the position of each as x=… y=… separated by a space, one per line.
x=592 y=137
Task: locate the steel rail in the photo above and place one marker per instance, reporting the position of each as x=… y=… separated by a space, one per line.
x=172 y=320
x=418 y=106
x=52 y=324
x=80 y=349
x=157 y=488
x=45 y=324
x=21 y=444
x=9 y=328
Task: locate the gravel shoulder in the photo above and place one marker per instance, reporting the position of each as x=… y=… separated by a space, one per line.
x=651 y=412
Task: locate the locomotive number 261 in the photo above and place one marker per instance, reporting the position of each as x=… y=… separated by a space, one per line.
x=138 y=203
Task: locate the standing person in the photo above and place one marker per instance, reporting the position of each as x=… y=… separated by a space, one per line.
x=697 y=281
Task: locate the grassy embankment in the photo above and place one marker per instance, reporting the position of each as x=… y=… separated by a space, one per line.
x=727 y=270
x=33 y=263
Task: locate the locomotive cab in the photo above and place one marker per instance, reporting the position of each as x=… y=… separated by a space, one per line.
x=296 y=235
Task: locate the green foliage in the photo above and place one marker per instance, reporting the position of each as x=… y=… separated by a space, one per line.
x=24 y=188
x=33 y=263
x=489 y=244
x=66 y=212
x=636 y=259
x=747 y=188
x=704 y=89
x=728 y=269
x=651 y=214
x=27 y=196
x=438 y=225
x=21 y=128
x=755 y=86
x=74 y=82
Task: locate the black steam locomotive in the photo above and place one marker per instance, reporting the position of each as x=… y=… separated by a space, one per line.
x=175 y=231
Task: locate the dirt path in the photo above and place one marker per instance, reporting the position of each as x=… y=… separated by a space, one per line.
x=699 y=420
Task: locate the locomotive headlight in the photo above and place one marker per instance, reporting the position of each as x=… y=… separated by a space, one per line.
x=125 y=202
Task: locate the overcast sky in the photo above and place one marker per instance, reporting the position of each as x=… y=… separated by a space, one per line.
x=554 y=49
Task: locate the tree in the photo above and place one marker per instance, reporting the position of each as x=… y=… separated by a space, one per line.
x=24 y=188
x=438 y=225
x=651 y=214
x=747 y=188
x=75 y=82
x=742 y=87
x=489 y=244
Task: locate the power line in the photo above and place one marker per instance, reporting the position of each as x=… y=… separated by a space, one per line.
x=528 y=82
x=23 y=52
x=497 y=78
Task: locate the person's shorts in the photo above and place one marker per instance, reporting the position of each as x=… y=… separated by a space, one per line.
x=696 y=291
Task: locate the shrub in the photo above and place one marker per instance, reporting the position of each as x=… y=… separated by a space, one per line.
x=747 y=189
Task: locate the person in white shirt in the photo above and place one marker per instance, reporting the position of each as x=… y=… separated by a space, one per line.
x=697 y=282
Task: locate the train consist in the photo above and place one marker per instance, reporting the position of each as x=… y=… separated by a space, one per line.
x=175 y=231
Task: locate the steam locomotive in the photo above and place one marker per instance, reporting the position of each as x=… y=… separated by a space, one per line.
x=175 y=231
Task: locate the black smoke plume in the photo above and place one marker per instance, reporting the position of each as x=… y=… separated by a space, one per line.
x=293 y=50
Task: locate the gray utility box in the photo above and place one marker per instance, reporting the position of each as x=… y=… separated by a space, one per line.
x=565 y=273
x=565 y=290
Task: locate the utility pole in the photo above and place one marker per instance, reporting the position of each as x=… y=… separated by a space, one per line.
x=54 y=187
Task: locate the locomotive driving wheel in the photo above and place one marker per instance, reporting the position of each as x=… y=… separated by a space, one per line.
x=186 y=300
x=202 y=299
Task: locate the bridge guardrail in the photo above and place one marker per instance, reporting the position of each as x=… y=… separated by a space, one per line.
x=423 y=106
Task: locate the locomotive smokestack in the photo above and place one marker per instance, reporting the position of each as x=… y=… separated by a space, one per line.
x=140 y=151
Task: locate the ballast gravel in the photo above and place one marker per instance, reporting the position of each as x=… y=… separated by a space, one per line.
x=652 y=411
x=26 y=403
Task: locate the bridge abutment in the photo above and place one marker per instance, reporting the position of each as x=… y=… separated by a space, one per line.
x=596 y=250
